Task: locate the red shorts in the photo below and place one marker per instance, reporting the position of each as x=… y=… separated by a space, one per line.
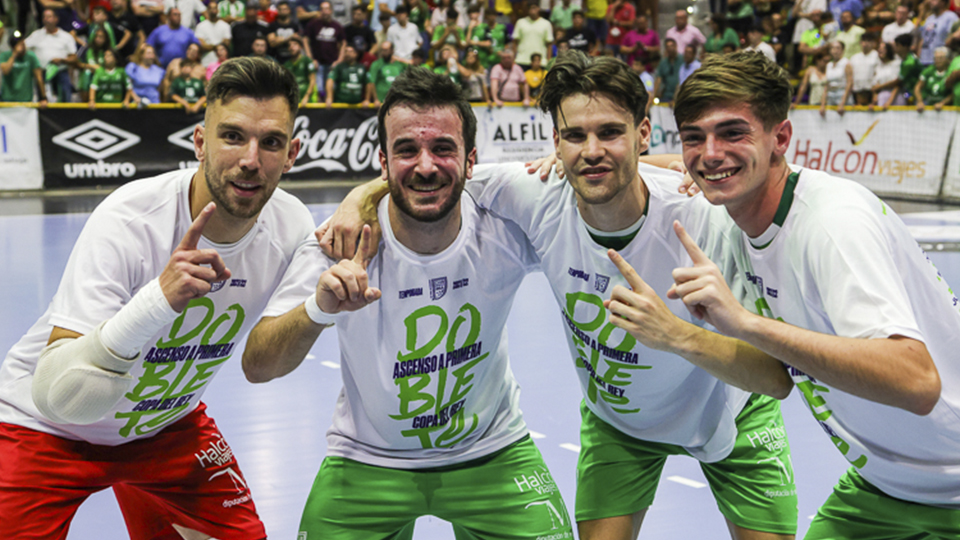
x=186 y=475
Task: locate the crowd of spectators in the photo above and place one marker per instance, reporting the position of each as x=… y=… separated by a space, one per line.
x=842 y=53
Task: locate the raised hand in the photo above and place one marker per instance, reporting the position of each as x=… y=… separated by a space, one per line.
x=344 y=287
x=704 y=291
x=187 y=275
x=642 y=312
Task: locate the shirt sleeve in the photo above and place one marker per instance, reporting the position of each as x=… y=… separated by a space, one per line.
x=508 y=191
x=300 y=279
x=108 y=265
x=850 y=260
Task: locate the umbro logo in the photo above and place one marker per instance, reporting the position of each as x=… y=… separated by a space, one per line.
x=96 y=139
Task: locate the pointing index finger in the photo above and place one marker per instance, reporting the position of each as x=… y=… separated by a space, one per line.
x=192 y=238
x=696 y=254
x=631 y=275
x=366 y=250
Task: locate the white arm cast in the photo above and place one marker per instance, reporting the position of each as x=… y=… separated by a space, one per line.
x=78 y=380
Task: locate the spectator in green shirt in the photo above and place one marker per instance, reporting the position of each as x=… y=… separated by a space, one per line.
x=910 y=70
x=489 y=38
x=21 y=70
x=449 y=65
x=188 y=90
x=302 y=68
x=347 y=80
x=668 y=72
x=448 y=34
x=721 y=35
x=382 y=73
x=562 y=15
x=932 y=87
x=110 y=84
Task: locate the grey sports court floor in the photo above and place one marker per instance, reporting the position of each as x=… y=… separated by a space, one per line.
x=277 y=429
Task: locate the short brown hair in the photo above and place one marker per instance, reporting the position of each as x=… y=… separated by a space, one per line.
x=257 y=78
x=740 y=77
x=576 y=73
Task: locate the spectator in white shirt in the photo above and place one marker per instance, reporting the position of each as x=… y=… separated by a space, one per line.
x=864 y=65
x=212 y=31
x=404 y=35
x=189 y=9
x=901 y=25
x=755 y=43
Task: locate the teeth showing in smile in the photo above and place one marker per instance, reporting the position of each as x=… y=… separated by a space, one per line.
x=425 y=189
x=718 y=176
x=244 y=185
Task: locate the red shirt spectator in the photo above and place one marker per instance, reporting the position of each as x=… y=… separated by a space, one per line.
x=620 y=17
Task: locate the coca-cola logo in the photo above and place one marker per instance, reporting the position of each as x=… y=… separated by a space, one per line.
x=325 y=149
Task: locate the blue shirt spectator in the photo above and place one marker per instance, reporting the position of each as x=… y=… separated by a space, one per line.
x=171 y=40
x=837 y=7
x=145 y=75
x=935 y=30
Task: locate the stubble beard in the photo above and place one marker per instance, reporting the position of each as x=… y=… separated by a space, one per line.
x=397 y=196
x=220 y=194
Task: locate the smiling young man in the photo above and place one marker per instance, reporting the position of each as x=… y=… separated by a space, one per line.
x=428 y=421
x=166 y=279
x=606 y=245
x=642 y=401
x=840 y=292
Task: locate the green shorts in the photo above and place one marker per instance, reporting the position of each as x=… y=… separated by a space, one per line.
x=509 y=494
x=858 y=510
x=617 y=475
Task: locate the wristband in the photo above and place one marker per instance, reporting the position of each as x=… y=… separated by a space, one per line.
x=316 y=314
x=144 y=315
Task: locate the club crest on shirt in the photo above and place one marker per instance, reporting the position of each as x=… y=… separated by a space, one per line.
x=602 y=282
x=217 y=286
x=438 y=288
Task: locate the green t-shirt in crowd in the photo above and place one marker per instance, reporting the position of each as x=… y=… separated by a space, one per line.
x=303 y=69
x=669 y=73
x=382 y=74
x=715 y=43
x=443 y=70
x=954 y=66
x=934 y=85
x=498 y=40
x=438 y=33
x=190 y=89
x=110 y=85
x=348 y=83
x=18 y=84
x=910 y=70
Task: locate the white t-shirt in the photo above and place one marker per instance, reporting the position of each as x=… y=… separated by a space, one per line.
x=48 y=46
x=837 y=81
x=126 y=243
x=405 y=39
x=426 y=376
x=864 y=67
x=532 y=37
x=212 y=33
x=892 y=30
x=765 y=49
x=844 y=264
x=189 y=9
x=646 y=394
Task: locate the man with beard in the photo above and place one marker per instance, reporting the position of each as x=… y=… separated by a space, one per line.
x=283 y=29
x=166 y=279
x=655 y=383
x=382 y=74
x=428 y=421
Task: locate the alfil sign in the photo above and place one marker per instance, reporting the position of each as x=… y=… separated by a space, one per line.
x=97 y=140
